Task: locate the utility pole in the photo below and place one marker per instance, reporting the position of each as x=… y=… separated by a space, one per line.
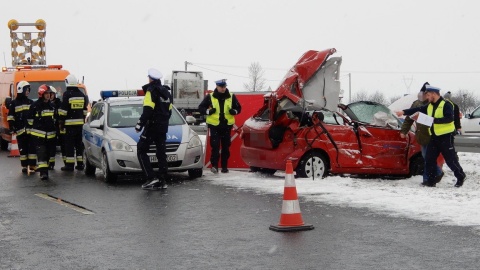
x=349 y=87
x=186 y=64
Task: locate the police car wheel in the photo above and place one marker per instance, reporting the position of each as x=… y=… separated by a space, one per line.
x=108 y=176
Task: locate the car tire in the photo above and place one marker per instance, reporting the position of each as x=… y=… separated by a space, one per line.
x=195 y=173
x=312 y=165
x=417 y=165
x=108 y=176
x=89 y=168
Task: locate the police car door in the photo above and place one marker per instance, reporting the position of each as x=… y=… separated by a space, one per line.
x=93 y=134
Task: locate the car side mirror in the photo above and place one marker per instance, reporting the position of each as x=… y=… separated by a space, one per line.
x=96 y=124
x=8 y=101
x=467 y=116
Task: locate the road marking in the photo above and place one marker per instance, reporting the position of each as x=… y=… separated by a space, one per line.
x=65 y=203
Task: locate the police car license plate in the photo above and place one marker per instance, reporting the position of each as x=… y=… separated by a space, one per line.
x=170 y=158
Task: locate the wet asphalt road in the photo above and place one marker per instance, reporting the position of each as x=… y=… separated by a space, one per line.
x=198 y=225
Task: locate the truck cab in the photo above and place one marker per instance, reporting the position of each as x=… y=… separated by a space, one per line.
x=188 y=90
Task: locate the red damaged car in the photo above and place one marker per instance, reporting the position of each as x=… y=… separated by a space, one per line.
x=303 y=121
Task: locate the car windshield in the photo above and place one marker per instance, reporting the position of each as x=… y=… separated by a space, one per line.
x=372 y=113
x=127 y=115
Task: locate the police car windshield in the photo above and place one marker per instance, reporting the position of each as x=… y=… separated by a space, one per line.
x=127 y=115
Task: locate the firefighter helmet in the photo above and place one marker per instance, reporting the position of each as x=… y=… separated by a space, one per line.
x=53 y=89
x=22 y=86
x=42 y=89
x=71 y=80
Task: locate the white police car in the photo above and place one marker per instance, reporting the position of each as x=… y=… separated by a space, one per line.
x=110 y=139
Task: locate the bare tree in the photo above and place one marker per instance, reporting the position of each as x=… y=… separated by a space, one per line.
x=359 y=96
x=378 y=97
x=466 y=100
x=394 y=98
x=255 y=74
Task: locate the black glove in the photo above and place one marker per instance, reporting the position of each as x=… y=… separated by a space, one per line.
x=211 y=111
x=139 y=126
x=232 y=111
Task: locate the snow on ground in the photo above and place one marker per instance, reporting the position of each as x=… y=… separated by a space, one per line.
x=444 y=204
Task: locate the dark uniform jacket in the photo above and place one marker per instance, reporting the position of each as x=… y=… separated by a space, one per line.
x=207 y=104
x=73 y=109
x=447 y=113
x=43 y=116
x=157 y=107
x=18 y=114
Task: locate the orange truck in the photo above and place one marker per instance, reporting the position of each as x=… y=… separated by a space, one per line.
x=28 y=64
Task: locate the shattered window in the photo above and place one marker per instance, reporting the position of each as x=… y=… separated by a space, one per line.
x=372 y=113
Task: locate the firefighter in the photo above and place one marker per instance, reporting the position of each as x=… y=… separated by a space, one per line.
x=72 y=114
x=221 y=106
x=56 y=102
x=157 y=109
x=43 y=131
x=18 y=122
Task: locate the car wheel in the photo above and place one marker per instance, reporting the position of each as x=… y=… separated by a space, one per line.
x=89 y=168
x=108 y=176
x=195 y=173
x=312 y=165
x=417 y=165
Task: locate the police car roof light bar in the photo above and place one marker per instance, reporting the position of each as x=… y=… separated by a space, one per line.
x=104 y=94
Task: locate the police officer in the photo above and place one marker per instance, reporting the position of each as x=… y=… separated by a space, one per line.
x=18 y=121
x=157 y=109
x=72 y=114
x=43 y=131
x=442 y=132
x=220 y=108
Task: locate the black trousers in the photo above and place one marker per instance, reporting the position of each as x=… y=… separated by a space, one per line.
x=45 y=148
x=220 y=137
x=158 y=136
x=442 y=144
x=24 y=149
x=73 y=145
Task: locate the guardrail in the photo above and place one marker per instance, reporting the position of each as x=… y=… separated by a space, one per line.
x=467 y=143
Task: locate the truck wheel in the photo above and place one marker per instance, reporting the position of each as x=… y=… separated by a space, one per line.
x=313 y=164
x=195 y=173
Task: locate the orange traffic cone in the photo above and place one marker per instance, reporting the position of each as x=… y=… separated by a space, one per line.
x=14 y=152
x=291 y=217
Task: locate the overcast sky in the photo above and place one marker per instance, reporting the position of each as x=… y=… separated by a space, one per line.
x=390 y=46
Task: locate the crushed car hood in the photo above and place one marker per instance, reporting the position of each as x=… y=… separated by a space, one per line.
x=312 y=83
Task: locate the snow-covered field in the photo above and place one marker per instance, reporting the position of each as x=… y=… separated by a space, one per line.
x=443 y=204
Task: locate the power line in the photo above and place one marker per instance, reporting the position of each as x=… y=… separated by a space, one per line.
x=229 y=66
x=239 y=76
